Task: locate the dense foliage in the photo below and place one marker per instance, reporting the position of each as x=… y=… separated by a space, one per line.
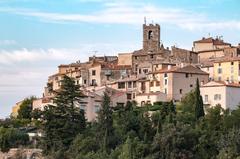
x=25 y=108
x=11 y=138
x=165 y=130
x=63 y=121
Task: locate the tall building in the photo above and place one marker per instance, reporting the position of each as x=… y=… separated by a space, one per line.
x=154 y=52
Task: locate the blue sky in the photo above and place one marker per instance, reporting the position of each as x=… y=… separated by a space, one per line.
x=38 y=35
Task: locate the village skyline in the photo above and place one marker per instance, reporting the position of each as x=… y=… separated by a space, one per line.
x=44 y=37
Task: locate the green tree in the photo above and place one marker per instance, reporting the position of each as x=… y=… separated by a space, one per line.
x=199 y=110
x=63 y=120
x=26 y=108
x=12 y=138
x=105 y=125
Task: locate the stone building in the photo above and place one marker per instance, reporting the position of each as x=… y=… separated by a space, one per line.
x=212 y=48
x=153 y=51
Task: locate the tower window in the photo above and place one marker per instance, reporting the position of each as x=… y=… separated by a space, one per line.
x=150 y=35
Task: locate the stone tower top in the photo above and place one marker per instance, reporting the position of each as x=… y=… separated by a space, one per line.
x=151 y=37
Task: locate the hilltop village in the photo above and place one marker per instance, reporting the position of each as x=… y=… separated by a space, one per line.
x=153 y=74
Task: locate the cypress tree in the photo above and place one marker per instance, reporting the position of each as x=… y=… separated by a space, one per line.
x=105 y=121
x=199 y=110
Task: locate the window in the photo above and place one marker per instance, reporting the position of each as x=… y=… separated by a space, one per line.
x=145 y=71
x=135 y=57
x=191 y=85
x=85 y=81
x=150 y=35
x=232 y=63
x=140 y=71
x=129 y=84
x=93 y=72
x=219 y=70
x=129 y=96
x=151 y=84
x=186 y=75
x=108 y=78
x=165 y=75
x=94 y=83
x=77 y=82
x=206 y=98
x=143 y=86
x=134 y=95
x=96 y=108
x=136 y=68
x=217 y=97
x=165 y=81
x=151 y=56
x=121 y=85
x=134 y=84
x=180 y=91
x=219 y=64
x=219 y=78
x=157 y=83
x=165 y=90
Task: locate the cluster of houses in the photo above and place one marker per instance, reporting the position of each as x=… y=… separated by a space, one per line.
x=154 y=73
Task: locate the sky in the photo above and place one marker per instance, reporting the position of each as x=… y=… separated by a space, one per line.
x=38 y=35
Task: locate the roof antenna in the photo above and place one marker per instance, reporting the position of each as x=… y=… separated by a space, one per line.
x=145 y=20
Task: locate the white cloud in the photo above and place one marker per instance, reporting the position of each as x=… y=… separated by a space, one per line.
x=115 y=12
x=34 y=55
x=7 y=42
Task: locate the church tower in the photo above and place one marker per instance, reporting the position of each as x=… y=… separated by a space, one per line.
x=151 y=37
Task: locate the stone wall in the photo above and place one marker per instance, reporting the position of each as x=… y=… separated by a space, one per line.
x=17 y=153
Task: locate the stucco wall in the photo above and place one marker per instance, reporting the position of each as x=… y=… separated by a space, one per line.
x=211 y=91
x=125 y=59
x=226 y=71
x=232 y=97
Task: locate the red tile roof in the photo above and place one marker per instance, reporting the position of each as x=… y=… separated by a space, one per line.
x=211 y=40
x=220 y=84
x=186 y=69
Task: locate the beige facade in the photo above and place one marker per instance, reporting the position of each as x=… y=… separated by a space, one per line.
x=125 y=59
x=210 y=43
x=176 y=81
x=210 y=49
x=150 y=98
x=209 y=68
x=223 y=93
x=41 y=103
x=227 y=69
x=15 y=109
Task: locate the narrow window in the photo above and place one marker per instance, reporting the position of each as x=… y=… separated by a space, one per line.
x=93 y=72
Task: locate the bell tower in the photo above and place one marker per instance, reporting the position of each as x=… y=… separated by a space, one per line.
x=151 y=37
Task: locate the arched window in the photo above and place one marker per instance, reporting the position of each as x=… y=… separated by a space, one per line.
x=150 y=34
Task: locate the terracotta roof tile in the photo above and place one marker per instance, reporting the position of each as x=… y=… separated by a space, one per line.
x=186 y=69
x=211 y=40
